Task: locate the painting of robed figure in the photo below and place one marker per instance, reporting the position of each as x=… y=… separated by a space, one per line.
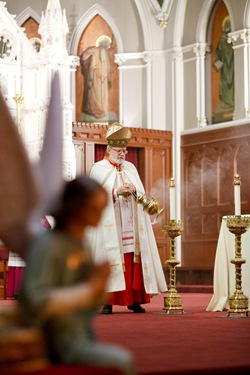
x=97 y=77
x=222 y=58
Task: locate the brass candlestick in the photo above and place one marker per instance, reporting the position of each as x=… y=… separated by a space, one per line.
x=238 y=302
x=172 y=300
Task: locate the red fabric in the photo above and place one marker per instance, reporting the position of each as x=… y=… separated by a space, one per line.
x=118 y=166
x=135 y=291
x=133 y=156
x=15 y=275
x=45 y=224
x=62 y=369
x=100 y=152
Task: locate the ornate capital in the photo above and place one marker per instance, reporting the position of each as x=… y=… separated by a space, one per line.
x=245 y=35
x=163 y=15
x=200 y=49
x=120 y=59
x=147 y=58
x=177 y=54
x=162 y=19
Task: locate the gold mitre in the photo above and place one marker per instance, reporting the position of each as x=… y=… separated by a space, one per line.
x=118 y=135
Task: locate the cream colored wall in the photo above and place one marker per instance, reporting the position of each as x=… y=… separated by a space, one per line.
x=124 y=12
x=155 y=103
x=190 y=117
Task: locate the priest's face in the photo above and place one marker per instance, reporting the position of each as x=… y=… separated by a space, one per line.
x=117 y=154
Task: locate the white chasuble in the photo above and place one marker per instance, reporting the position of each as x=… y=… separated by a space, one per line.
x=137 y=233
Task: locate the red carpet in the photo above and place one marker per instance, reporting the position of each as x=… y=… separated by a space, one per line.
x=196 y=342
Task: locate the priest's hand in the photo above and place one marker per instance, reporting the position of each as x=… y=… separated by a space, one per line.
x=126 y=190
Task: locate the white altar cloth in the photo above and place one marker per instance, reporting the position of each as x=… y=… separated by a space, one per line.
x=224 y=270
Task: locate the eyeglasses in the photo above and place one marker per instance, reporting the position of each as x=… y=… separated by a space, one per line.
x=119 y=152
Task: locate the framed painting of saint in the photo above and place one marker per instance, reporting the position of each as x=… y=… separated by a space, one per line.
x=222 y=54
x=97 y=90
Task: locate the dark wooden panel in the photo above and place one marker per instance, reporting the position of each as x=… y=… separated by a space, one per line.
x=192 y=276
x=210 y=159
x=198 y=253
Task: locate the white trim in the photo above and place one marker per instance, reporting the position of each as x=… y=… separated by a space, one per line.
x=227 y=124
x=27 y=13
x=247 y=15
x=96 y=9
x=179 y=23
x=126 y=67
x=146 y=29
x=204 y=18
x=202 y=24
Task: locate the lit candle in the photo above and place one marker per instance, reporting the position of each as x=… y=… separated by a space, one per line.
x=172 y=198
x=237 y=185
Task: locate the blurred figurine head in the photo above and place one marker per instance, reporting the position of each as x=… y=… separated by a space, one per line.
x=82 y=201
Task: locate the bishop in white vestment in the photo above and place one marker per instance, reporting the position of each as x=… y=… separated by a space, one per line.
x=125 y=235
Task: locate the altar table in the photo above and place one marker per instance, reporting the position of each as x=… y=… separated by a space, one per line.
x=224 y=270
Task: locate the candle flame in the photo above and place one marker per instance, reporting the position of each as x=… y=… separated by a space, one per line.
x=172 y=182
x=237 y=180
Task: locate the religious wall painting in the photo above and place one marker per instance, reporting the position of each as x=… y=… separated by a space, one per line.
x=222 y=59
x=97 y=92
x=31 y=30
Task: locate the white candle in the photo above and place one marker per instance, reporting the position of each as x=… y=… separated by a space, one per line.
x=237 y=203
x=172 y=199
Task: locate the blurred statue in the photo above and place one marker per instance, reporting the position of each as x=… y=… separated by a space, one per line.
x=58 y=297
x=62 y=289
